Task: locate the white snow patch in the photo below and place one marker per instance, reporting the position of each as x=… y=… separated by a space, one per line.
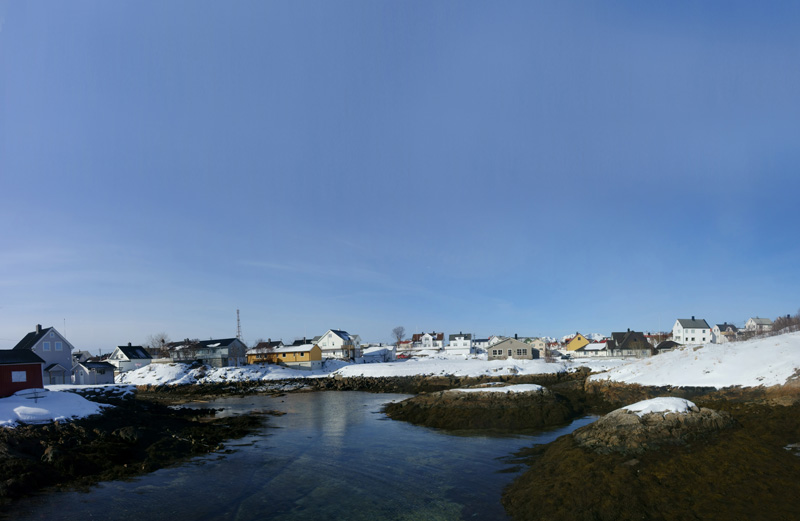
x=44 y=406
x=521 y=388
x=764 y=361
x=661 y=405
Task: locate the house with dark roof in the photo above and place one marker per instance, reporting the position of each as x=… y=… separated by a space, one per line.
x=223 y=352
x=19 y=369
x=691 y=331
x=264 y=352
x=54 y=349
x=338 y=344
x=630 y=343
x=460 y=343
x=431 y=340
x=723 y=333
x=129 y=358
x=93 y=373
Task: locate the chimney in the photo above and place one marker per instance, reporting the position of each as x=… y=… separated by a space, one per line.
x=515 y=336
x=129 y=344
x=629 y=330
x=38 y=328
x=692 y=317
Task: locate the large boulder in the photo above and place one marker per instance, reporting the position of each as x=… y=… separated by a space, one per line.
x=650 y=424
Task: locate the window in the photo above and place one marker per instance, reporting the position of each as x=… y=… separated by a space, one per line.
x=46 y=346
x=509 y=352
x=19 y=376
x=58 y=346
x=51 y=334
x=522 y=352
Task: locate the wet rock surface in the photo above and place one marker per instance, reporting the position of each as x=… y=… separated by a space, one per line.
x=134 y=437
x=488 y=410
x=627 y=432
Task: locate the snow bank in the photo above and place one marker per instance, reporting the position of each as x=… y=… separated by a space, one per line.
x=521 y=388
x=44 y=406
x=441 y=365
x=764 y=361
x=662 y=405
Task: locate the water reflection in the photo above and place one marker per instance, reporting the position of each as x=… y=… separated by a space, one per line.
x=333 y=456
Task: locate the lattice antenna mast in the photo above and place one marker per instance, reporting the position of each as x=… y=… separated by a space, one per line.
x=238 y=326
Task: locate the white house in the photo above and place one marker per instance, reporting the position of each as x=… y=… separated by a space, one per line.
x=480 y=343
x=129 y=358
x=54 y=349
x=691 y=331
x=592 y=349
x=92 y=373
x=460 y=343
x=758 y=325
x=723 y=333
x=432 y=340
x=339 y=344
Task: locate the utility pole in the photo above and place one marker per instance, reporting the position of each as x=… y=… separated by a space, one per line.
x=238 y=326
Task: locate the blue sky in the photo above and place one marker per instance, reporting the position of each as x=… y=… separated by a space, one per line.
x=492 y=167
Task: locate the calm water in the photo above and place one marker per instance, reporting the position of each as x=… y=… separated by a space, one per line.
x=333 y=456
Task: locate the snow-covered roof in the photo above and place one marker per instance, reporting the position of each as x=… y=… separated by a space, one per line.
x=294 y=349
x=761 y=321
x=599 y=346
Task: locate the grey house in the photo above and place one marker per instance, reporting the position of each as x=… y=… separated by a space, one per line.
x=54 y=349
x=512 y=348
x=224 y=352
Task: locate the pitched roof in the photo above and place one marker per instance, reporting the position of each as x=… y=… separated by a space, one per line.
x=268 y=345
x=218 y=342
x=467 y=336
x=19 y=356
x=624 y=339
x=725 y=326
x=667 y=344
x=692 y=323
x=29 y=340
x=761 y=321
x=295 y=348
x=344 y=335
x=97 y=365
x=134 y=352
x=416 y=337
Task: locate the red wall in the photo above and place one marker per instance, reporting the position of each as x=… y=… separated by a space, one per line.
x=33 y=380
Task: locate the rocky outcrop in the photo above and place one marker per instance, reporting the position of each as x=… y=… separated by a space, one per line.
x=626 y=432
x=507 y=411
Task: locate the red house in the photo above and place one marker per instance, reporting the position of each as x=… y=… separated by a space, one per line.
x=19 y=369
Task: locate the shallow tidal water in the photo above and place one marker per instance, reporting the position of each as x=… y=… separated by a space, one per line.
x=333 y=456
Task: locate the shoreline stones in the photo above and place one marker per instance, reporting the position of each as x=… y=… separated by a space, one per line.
x=647 y=425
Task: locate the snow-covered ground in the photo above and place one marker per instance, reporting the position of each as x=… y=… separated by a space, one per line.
x=765 y=361
x=441 y=365
x=44 y=406
x=521 y=388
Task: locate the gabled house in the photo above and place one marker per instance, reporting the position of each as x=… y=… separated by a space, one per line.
x=432 y=340
x=691 y=331
x=305 y=356
x=758 y=325
x=480 y=343
x=264 y=352
x=512 y=348
x=92 y=373
x=19 y=369
x=630 y=343
x=460 y=343
x=80 y=356
x=538 y=344
x=225 y=352
x=576 y=342
x=129 y=358
x=724 y=333
x=593 y=349
x=338 y=344
x=54 y=349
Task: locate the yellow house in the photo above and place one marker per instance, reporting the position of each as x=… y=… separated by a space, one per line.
x=576 y=343
x=306 y=356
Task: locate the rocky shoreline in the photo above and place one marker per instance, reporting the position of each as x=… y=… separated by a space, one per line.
x=135 y=436
x=567 y=479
